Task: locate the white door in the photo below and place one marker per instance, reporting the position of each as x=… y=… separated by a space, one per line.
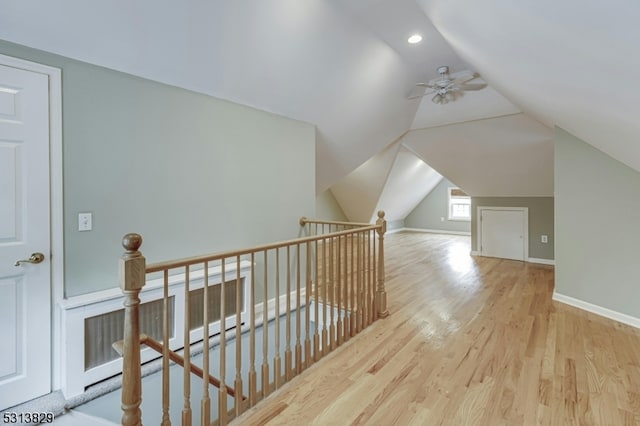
x=503 y=233
x=25 y=290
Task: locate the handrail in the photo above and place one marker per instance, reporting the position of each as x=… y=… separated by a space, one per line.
x=187 y=261
x=173 y=356
x=342 y=271
x=306 y=220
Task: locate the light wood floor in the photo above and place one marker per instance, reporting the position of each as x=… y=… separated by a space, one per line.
x=470 y=341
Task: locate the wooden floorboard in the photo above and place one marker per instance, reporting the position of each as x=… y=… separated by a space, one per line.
x=470 y=341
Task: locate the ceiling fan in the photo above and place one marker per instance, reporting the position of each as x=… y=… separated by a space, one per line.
x=448 y=89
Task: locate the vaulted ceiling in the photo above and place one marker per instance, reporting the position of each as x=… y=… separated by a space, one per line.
x=345 y=66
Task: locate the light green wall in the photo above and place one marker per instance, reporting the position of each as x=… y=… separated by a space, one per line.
x=540 y=221
x=395 y=224
x=428 y=214
x=191 y=173
x=327 y=207
x=598 y=226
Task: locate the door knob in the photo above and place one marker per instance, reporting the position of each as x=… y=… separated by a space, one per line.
x=35 y=258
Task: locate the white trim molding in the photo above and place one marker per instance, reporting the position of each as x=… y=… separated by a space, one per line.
x=433 y=231
x=551 y=262
x=541 y=261
x=598 y=310
x=395 y=231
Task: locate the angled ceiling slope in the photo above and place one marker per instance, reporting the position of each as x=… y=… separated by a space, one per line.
x=497 y=157
x=573 y=64
x=306 y=60
x=395 y=180
x=410 y=181
x=359 y=191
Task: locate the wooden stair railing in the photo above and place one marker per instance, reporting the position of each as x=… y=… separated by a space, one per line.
x=336 y=271
x=175 y=357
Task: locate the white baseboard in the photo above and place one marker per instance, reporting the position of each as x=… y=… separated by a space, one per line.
x=434 y=231
x=598 y=310
x=529 y=259
x=282 y=304
x=541 y=261
x=394 y=231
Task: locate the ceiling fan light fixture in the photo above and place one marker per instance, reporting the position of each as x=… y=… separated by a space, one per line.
x=449 y=88
x=415 y=38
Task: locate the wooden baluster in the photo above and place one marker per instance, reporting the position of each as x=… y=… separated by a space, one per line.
x=265 y=331
x=363 y=282
x=277 y=366
x=339 y=327
x=166 y=419
x=375 y=276
x=372 y=293
x=345 y=285
x=186 y=392
x=332 y=298
x=325 y=300
x=222 y=392
x=365 y=312
x=381 y=294
x=205 y=403
x=359 y=282
x=237 y=401
x=316 y=337
x=367 y=281
x=354 y=308
x=131 y=270
x=298 y=319
x=287 y=352
x=252 y=336
x=308 y=358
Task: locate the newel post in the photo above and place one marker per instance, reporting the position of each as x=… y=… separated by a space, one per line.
x=381 y=293
x=131 y=271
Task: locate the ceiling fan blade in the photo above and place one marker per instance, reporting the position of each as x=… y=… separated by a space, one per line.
x=421 y=95
x=473 y=86
x=465 y=77
x=429 y=85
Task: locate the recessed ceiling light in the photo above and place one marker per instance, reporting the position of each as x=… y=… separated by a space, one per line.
x=416 y=38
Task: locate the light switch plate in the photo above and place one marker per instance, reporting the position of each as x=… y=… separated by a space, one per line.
x=85 y=222
x=544 y=239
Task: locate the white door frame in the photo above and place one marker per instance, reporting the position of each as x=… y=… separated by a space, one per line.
x=525 y=211
x=56 y=191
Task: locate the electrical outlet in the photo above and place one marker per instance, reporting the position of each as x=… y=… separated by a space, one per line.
x=85 y=222
x=544 y=239
x=441 y=219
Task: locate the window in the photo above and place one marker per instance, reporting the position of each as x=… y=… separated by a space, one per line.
x=459 y=205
